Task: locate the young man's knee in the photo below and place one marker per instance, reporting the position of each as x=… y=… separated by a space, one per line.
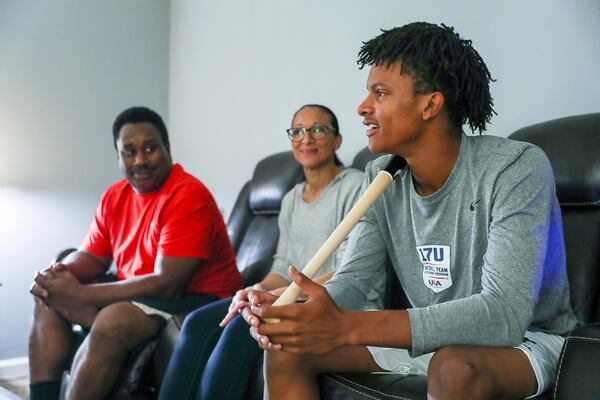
x=281 y=362
x=453 y=372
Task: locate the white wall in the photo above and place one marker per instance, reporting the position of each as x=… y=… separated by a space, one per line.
x=67 y=68
x=235 y=73
x=239 y=69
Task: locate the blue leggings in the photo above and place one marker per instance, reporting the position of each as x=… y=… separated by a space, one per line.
x=210 y=362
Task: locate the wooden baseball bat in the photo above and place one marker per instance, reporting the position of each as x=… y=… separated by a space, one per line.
x=382 y=180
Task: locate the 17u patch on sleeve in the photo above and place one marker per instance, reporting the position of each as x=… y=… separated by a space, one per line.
x=436 y=266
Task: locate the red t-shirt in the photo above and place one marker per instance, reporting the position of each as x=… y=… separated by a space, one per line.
x=181 y=220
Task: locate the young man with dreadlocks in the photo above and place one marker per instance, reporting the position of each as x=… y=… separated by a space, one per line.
x=471 y=226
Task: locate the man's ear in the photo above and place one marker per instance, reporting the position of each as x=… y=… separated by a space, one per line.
x=435 y=102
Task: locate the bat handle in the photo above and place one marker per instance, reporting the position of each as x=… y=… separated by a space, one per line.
x=289 y=296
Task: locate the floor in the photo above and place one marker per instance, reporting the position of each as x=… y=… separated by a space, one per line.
x=14 y=389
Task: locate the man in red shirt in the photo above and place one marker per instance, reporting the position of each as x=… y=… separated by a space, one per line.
x=162 y=228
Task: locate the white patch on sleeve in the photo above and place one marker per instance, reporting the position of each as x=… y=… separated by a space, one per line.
x=436 y=266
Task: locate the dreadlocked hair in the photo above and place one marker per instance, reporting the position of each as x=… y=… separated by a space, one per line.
x=437 y=59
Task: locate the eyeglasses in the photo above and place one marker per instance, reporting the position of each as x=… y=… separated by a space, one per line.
x=317 y=131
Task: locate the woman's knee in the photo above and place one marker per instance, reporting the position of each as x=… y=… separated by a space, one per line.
x=455 y=372
x=201 y=325
x=206 y=316
x=237 y=329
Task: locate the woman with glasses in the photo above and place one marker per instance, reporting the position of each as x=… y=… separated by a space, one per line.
x=214 y=363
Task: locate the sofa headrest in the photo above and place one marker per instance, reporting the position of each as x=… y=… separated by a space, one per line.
x=362 y=158
x=573 y=146
x=273 y=177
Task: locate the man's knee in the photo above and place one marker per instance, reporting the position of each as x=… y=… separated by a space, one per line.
x=118 y=326
x=48 y=330
x=453 y=373
x=124 y=326
x=46 y=317
x=50 y=342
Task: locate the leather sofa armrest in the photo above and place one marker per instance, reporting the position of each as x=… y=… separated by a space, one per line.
x=255 y=272
x=577 y=376
x=62 y=255
x=358 y=386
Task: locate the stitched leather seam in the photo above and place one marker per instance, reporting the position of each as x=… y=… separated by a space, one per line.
x=364 y=387
x=575 y=204
x=593 y=339
x=562 y=357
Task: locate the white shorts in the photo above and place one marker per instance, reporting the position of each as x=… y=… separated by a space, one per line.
x=542 y=351
x=151 y=310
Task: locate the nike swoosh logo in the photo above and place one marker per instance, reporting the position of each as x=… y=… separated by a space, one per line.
x=472 y=206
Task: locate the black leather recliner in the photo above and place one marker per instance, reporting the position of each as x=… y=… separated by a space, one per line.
x=573 y=147
x=252 y=225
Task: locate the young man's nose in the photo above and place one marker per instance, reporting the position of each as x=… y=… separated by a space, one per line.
x=364 y=108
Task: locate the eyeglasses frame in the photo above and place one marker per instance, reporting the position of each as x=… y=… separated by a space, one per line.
x=310 y=130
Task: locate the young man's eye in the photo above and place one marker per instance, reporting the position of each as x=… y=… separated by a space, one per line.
x=379 y=93
x=127 y=153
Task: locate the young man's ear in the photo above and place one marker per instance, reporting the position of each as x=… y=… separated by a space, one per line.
x=435 y=101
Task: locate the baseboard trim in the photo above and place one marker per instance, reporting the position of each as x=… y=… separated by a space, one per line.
x=13 y=368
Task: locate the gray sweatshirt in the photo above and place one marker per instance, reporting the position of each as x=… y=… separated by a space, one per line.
x=304 y=227
x=482 y=260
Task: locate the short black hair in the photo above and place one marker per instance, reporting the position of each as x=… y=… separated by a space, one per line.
x=136 y=115
x=437 y=59
x=334 y=123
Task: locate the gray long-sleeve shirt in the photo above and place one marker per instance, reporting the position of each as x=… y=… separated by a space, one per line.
x=304 y=227
x=481 y=260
